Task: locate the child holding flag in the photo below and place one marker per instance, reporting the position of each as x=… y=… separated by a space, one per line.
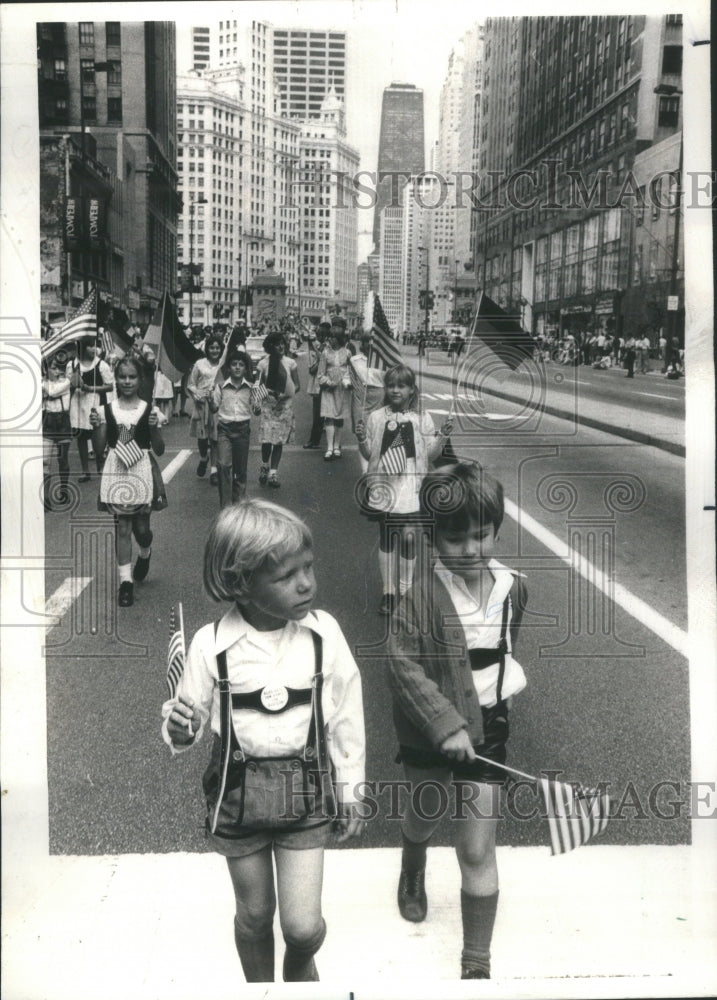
x=398 y=443
x=276 y=685
x=450 y=687
x=128 y=488
x=200 y=387
x=280 y=378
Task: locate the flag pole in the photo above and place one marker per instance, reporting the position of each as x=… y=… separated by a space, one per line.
x=181 y=632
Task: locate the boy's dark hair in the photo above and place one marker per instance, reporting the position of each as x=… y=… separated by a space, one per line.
x=324 y=328
x=455 y=495
x=236 y=355
x=339 y=323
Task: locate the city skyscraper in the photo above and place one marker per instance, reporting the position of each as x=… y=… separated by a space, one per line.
x=110 y=87
x=400 y=147
x=200 y=48
x=307 y=64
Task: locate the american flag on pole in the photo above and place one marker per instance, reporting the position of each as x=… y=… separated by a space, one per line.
x=575 y=814
x=394 y=458
x=81 y=324
x=175 y=653
x=258 y=394
x=383 y=350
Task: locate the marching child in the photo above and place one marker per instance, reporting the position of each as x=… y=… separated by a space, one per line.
x=231 y=402
x=451 y=687
x=129 y=487
x=56 y=429
x=200 y=386
x=280 y=376
x=398 y=444
x=294 y=691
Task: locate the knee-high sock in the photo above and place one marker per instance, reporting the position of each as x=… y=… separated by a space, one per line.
x=256 y=954
x=405 y=573
x=299 y=964
x=478 y=913
x=385 y=568
x=413 y=855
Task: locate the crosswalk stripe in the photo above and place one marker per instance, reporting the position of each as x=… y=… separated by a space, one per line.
x=171 y=470
x=59 y=602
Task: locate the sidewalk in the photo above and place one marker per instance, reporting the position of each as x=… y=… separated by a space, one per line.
x=666 y=431
x=598 y=922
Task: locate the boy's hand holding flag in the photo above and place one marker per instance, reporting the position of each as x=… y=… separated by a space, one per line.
x=176 y=657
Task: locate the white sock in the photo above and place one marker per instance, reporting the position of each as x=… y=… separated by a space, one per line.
x=145 y=553
x=125 y=573
x=213 y=470
x=273 y=473
x=385 y=565
x=330 y=437
x=405 y=574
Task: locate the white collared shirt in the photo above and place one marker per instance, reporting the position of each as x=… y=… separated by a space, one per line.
x=481 y=627
x=286 y=657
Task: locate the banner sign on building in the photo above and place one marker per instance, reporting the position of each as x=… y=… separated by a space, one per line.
x=96 y=223
x=72 y=225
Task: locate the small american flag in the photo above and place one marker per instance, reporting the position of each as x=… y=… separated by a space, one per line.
x=128 y=452
x=394 y=458
x=383 y=351
x=259 y=393
x=105 y=338
x=575 y=814
x=175 y=653
x=81 y=324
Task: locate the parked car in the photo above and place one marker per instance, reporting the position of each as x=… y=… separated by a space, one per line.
x=254 y=349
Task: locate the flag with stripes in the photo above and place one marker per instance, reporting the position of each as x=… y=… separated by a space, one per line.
x=259 y=393
x=128 y=452
x=383 y=351
x=394 y=457
x=81 y=324
x=575 y=814
x=175 y=653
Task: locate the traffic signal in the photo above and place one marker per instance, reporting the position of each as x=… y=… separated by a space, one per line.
x=431 y=300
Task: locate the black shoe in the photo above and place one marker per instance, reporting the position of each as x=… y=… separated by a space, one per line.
x=310 y=445
x=141 y=567
x=387 y=605
x=475 y=974
x=412 y=902
x=274 y=482
x=202 y=468
x=263 y=475
x=126 y=595
x=84 y=478
x=213 y=479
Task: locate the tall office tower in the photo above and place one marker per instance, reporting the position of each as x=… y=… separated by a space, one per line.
x=454 y=160
x=421 y=250
x=391 y=266
x=211 y=119
x=307 y=64
x=110 y=87
x=200 y=48
x=590 y=94
x=328 y=216
x=400 y=147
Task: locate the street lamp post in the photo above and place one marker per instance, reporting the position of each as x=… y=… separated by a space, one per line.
x=251 y=245
x=456 y=318
x=425 y=291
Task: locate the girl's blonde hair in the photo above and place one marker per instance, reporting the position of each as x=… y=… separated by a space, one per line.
x=245 y=538
x=403 y=375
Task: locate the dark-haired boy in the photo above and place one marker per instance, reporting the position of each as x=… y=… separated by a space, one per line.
x=451 y=674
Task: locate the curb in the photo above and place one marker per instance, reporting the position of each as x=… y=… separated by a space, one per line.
x=601 y=425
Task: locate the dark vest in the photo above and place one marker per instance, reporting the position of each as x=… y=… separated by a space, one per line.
x=141 y=430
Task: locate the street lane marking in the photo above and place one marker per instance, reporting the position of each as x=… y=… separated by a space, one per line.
x=639 y=610
x=488 y=416
x=175 y=465
x=656 y=395
x=58 y=604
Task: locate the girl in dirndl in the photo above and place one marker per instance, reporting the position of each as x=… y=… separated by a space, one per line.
x=333 y=377
x=91 y=383
x=131 y=485
x=56 y=431
x=280 y=376
x=200 y=387
x=399 y=443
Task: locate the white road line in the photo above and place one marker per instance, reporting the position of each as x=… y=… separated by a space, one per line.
x=488 y=416
x=175 y=465
x=59 y=603
x=639 y=610
x=657 y=395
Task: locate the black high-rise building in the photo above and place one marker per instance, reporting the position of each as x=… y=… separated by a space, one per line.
x=401 y=144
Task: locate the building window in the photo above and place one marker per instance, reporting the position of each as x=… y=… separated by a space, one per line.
x=87 y=69
x=669 y=112
x=87 y=33
x=89 y=107
x=114 y=73
x=672 y=59
x=112 y=32
x=60 y=69
x=114 y=109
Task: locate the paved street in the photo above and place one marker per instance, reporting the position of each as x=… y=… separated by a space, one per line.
x=607 y=694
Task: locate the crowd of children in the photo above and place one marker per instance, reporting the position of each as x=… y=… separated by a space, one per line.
x=273 y=681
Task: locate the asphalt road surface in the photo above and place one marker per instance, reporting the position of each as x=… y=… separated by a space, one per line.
x=595 y=522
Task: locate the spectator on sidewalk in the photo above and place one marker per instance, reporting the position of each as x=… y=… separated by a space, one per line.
x=662 y=343
x=642 y=346
x=630 y=355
